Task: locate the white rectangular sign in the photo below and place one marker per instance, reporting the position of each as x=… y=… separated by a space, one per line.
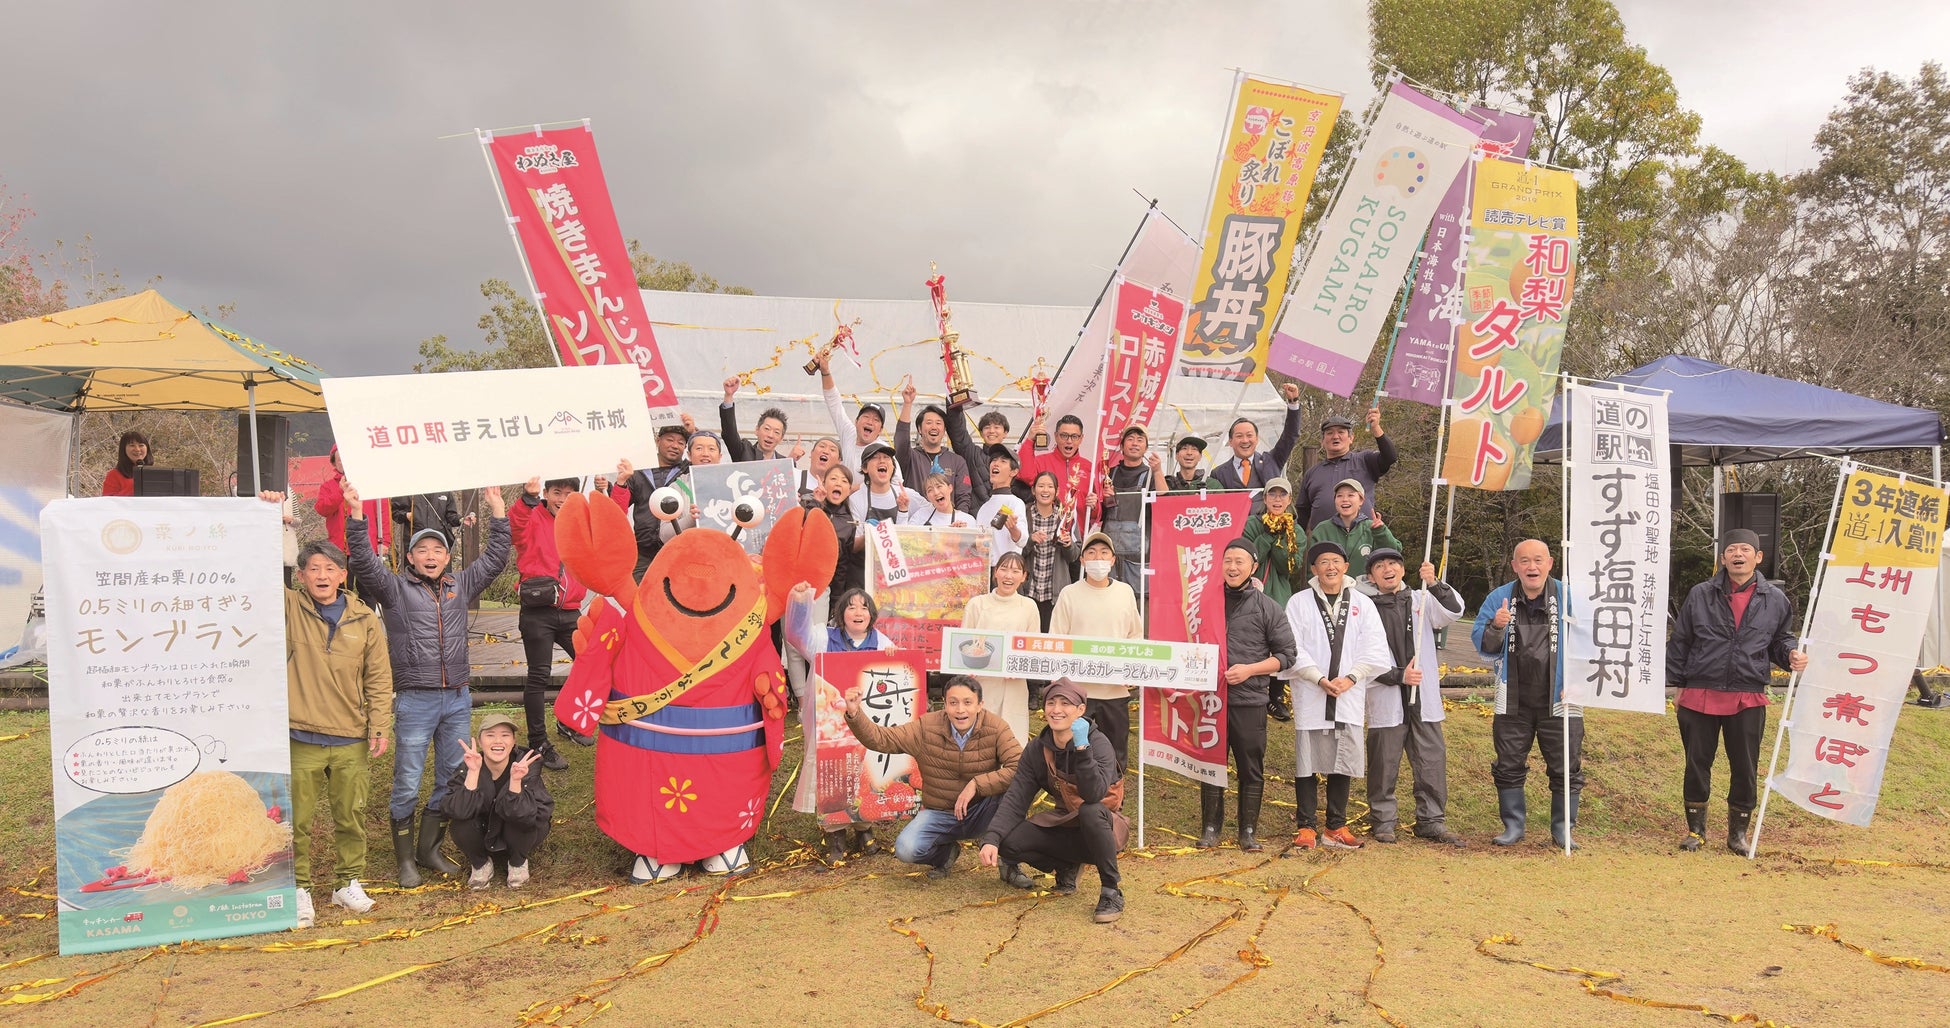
x=1145 y=663
x=167 y=716
x=1618 y=564
x=33 y=472
x=404 y=434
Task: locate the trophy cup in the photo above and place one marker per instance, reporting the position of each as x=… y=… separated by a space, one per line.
x=954 y=361
x=1039 y=395
x=842 y=337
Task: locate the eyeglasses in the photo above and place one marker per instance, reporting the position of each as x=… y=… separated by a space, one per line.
x=1069 y=435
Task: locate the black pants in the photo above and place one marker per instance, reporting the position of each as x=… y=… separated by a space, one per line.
x=1307 y=800
x=1514 y=732
x=513 y=843
x=1246 y=738
x=1700 y=735
x=1112 y=720
x=542 y=630
x=1044 y=608
x=1089 y=839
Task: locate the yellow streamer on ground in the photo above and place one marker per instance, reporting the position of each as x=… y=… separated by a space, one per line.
x=1827 y=931
x=1594 y=983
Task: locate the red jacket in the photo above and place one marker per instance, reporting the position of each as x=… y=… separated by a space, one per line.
x=1074 y=488
x=117 y=484
x=331 y=506
x=535 y=553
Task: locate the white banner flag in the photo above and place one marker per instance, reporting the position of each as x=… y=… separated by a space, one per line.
x=1366 y=241
x=404 y=434
x=167 y=717
x=33 y=473
x=1870 y=614
x=1615 y=655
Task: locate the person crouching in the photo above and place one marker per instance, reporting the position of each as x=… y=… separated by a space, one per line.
x=967 y=757
x=1079 y=772
x=497 y=806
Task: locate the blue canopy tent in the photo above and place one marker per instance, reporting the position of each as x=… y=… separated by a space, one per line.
x=1718 y=415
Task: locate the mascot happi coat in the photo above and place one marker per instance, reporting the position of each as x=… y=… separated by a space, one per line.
x=680 y=676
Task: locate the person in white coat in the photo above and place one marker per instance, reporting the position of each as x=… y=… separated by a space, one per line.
x=1405 y=703
x=1343 y=648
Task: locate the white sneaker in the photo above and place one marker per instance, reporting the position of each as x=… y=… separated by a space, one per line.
x=306 y=916
x=352 y=896
x=479 y=877
x=517 y=874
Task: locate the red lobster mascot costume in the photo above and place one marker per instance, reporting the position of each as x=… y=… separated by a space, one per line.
x=680 y=676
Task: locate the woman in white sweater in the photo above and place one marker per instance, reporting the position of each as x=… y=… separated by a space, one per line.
x=1006 y=610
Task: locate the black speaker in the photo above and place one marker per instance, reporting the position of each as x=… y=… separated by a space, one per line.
x=273 y=442
x=168 y=482
x=1759 y=513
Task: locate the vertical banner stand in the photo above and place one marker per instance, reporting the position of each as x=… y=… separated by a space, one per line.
x=1563 y=599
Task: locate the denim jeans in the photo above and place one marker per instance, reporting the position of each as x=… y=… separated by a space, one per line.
x=423 y=717
x=927 y=838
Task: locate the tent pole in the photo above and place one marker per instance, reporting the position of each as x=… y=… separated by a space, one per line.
x=257 y=462
x=1719 y=482
x=1936 y=464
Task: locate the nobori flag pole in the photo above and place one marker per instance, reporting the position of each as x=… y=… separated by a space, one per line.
x=1801 y=642
x=1563 y=613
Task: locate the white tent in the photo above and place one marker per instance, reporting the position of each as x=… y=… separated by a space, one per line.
x=706 y=337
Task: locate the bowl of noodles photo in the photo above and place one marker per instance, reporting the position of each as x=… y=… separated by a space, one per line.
x=976 y=652
x=214 y=833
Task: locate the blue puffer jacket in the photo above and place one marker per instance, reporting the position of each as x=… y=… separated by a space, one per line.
x=1707 y=652
x=426 y=621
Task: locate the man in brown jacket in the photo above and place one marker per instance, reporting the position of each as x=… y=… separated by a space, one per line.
x=340 y=683
x=967 y=758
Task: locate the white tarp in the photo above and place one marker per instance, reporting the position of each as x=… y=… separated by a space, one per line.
x=33 y=473
x=707 y=337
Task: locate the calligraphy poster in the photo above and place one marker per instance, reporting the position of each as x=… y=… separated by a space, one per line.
x=166 y=709
x=851 y=782
x=1420 y=370
x=1346 y=296
x=1275 y=136
x=1517 y=284
x=717 y=488
x=401 y=435
x=938 y=572
x=1615 y=655
x=1185 y=731
x=566 y=229
x=34 y=470
x=1146 y=663
x=1870 y=615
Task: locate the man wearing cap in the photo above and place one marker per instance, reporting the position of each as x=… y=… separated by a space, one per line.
x=1249 y=467
x=866 y=425
x=932 y=457
x=1279 y=547
x=425 y=612
x=1189 y=478
x=634 y=488
x=1358 y=534
x=1730 y=629
x=880 y=497
x=1338 y=463
x=1125 y=518
x=1518 y=629
x=500 y=809
x=1405 y=702
x=1259 y=645
x=1069 y=762
x=1342 y=649
x=1100 y=607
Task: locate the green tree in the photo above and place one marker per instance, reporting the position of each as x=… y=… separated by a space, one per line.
x=512 y=330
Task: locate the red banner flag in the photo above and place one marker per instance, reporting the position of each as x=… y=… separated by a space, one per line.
x=1143 y=352
x=562 y=219
x=1186 y=731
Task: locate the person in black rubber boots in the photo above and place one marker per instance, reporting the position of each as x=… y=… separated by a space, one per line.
x=1079 y=772
x=1259 y=645
x=1730 y=629
x=1518 y=629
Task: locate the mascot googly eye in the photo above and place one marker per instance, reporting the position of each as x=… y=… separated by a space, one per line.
x=747 y=512
x=667 y=503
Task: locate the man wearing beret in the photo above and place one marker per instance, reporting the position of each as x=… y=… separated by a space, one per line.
x=1189 y=478
x=1730 y=629
x=1338 y=461
x=1072 y=764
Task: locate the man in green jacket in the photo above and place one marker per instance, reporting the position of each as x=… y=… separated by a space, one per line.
x=1357 y=535
x=340 y=681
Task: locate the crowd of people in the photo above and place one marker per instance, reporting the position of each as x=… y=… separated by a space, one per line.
x=1328 y=626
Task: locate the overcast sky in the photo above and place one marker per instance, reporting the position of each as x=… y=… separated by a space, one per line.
x=284 y=158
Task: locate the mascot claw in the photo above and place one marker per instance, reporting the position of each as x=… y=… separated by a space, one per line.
x=801 y=548
x=599 y=547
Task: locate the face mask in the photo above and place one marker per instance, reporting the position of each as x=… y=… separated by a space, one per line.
x=1096 y=570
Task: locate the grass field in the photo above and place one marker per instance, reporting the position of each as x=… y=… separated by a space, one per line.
x=1398 y=933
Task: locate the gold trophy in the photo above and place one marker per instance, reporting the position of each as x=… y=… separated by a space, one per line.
x=842 y=336
x=1039 y=395
x=961 y=384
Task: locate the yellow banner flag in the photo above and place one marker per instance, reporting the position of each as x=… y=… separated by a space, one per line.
x=1275 y=137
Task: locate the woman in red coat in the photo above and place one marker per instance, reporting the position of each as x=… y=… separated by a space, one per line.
x=132 y=452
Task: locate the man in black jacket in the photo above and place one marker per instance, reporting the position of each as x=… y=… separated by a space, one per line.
x=1259 y=645
x=1731 y=627
x=1079 y=772
x=1338 y=462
